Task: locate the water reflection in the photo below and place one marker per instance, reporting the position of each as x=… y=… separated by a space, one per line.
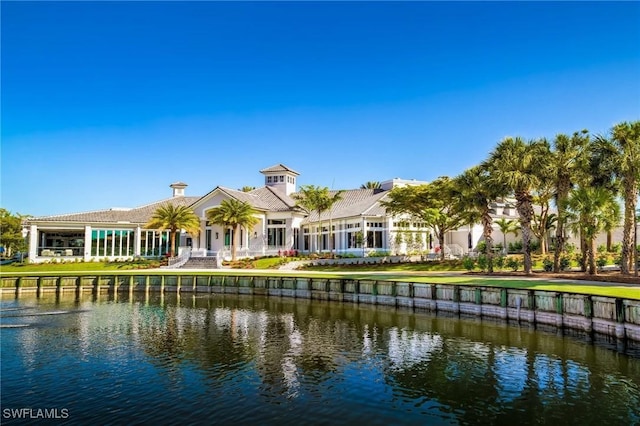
x=230 y=359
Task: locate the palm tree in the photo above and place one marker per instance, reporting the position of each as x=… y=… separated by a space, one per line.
x=319 y=199
x=174 y=218
x=507 y=226
x=568 y=158
x=247 y=188
x=621 y=154
x=476 y=192
x=517 y=164
x=233 y=214
x=370 y=185
x=592 y=210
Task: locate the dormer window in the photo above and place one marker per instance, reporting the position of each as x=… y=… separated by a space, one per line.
x=268 y=179
x=281 y=178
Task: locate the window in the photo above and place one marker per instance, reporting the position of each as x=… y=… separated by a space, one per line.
x=374 y=239
x=281 y=178
x=269 y=179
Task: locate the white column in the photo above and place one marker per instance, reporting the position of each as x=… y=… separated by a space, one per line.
x=33 y=242
x=137 y=241
x=87 y=243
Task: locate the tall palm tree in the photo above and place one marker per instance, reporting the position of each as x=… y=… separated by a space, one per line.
x=507 y=226
x=517 y=164
x=568 y=158
x=173 y=218
x=370 y=185
x=476 y=191
x=621 y=154
x=591 y=209
x=247 y=188
x=318 y=199
x=233 y=214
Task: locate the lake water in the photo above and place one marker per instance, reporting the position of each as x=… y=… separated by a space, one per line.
x=226 y=359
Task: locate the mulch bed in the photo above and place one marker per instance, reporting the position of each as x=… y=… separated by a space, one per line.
x=604 y=276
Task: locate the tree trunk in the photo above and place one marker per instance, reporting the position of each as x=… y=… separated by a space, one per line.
x=441 y=240
x=563 y=193
x=487 y=223
x=630 y=196
x=172 y=242
x=609 y=241
x=525 y=210
x=592 y=257
x=234 y=243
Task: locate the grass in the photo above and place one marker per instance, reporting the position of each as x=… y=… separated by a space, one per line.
x=411 y=272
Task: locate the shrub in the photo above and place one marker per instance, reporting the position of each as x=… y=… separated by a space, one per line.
x=570 y=248
x=565 y=263
x=601 y=261
x=483 y=262
x=515 y=247
x=499 y=262
x=513 y=263
x=481 y=247
x=547 y=264
x=468 y=263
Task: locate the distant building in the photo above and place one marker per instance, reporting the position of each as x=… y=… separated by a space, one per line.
x=359 y=224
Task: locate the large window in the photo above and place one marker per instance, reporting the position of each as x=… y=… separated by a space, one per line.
x=112 y=242
x=154 y=243
x=61 y=243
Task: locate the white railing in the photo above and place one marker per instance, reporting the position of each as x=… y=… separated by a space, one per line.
x=178 y=261
x=453 y=250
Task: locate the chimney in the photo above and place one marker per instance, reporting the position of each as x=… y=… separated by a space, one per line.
x=178 y=188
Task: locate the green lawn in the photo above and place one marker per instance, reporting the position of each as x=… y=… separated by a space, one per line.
x=400 y=272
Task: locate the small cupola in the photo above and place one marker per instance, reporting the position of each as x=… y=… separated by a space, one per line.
x=280 y=177
x=178 y=188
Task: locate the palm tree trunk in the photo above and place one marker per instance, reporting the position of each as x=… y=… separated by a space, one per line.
x=487 y=223
x=592 y=257
x=234 y=242
x=630 y=196
x=525 y=210
x=172 y=241
x=563 y=194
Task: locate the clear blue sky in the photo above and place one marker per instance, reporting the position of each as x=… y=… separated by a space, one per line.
x=104 y=104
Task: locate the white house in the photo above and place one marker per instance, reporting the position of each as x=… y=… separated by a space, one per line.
x=359 y=225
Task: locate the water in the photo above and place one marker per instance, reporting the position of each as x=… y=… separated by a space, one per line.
x=252 y=360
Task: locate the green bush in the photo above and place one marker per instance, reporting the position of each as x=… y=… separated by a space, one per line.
x=468 y=263
x=513 y=263
x=601 y=261
x=483 y=262
x=481 y=247
x=499 y=262
x=547 y=264
x=515 y=247
x=565 y=263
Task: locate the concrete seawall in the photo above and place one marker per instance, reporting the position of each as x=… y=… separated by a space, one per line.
x=615 y=317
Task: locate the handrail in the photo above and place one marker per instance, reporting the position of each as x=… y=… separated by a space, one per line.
x=178 y=261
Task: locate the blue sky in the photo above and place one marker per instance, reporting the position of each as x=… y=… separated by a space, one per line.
x=104 y=104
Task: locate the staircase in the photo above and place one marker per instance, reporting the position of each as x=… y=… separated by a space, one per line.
x=210 y=262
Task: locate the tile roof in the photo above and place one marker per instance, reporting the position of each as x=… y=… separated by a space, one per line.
x=354 y=202
x=279 y=168
x=137 y=215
